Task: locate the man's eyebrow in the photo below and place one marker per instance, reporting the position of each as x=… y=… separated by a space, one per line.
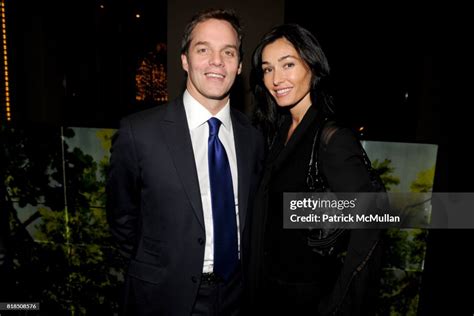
x=201 y=43
x=230 y=46
x=209 y=44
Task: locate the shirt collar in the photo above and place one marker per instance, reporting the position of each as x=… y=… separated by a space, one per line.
x=197 y=114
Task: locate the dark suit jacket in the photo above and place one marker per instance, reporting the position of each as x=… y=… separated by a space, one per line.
x=154 y=205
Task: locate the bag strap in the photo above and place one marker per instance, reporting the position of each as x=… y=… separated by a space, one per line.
x=313 y=178
x=321 y=241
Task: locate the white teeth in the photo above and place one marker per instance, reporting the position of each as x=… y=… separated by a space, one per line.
x=283 y=91
x=214 y=75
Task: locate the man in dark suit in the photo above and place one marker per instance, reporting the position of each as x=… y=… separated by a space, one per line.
x=162 y=192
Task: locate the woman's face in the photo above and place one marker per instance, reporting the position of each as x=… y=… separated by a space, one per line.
x=285 y=75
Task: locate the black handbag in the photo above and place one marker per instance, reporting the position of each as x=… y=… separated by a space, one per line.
x=327 y=242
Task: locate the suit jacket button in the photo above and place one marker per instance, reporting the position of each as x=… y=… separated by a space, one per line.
x=201 y=241
x=194 y=279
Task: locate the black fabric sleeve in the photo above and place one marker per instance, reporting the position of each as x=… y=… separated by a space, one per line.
x=342 y=163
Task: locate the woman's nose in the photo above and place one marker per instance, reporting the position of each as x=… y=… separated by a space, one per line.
x=277 y=77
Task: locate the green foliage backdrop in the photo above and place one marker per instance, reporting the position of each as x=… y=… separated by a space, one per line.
x=63 y=256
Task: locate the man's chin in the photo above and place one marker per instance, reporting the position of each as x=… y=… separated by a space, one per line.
x=217 y=97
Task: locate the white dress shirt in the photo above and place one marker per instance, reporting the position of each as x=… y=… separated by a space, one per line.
x=197 y=116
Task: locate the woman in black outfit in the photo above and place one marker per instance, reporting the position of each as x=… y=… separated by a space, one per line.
x=287 y=275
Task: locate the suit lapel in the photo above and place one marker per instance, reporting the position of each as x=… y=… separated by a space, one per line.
x=175 y=128
x=176 y=131
x=244 y=159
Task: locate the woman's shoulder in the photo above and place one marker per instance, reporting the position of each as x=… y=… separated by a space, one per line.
x=336 y=133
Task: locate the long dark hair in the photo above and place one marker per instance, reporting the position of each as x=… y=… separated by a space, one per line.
x=268 y=116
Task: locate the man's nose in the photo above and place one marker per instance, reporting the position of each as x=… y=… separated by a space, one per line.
x=216 y=59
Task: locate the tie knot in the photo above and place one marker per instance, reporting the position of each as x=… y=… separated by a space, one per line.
x=214 y=125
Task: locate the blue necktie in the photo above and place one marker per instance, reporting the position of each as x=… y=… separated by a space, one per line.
x=223 y=205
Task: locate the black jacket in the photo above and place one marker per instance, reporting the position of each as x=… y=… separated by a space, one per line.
x=347 y=289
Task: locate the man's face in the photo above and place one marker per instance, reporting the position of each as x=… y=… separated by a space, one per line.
x=212 y=61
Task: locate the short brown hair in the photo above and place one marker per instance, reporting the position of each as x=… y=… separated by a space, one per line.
x=218 y=14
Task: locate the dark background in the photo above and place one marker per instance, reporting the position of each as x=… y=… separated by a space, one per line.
x=72 y=63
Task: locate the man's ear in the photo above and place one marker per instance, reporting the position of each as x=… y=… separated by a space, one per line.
x=240 y=68
x=184 y=62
